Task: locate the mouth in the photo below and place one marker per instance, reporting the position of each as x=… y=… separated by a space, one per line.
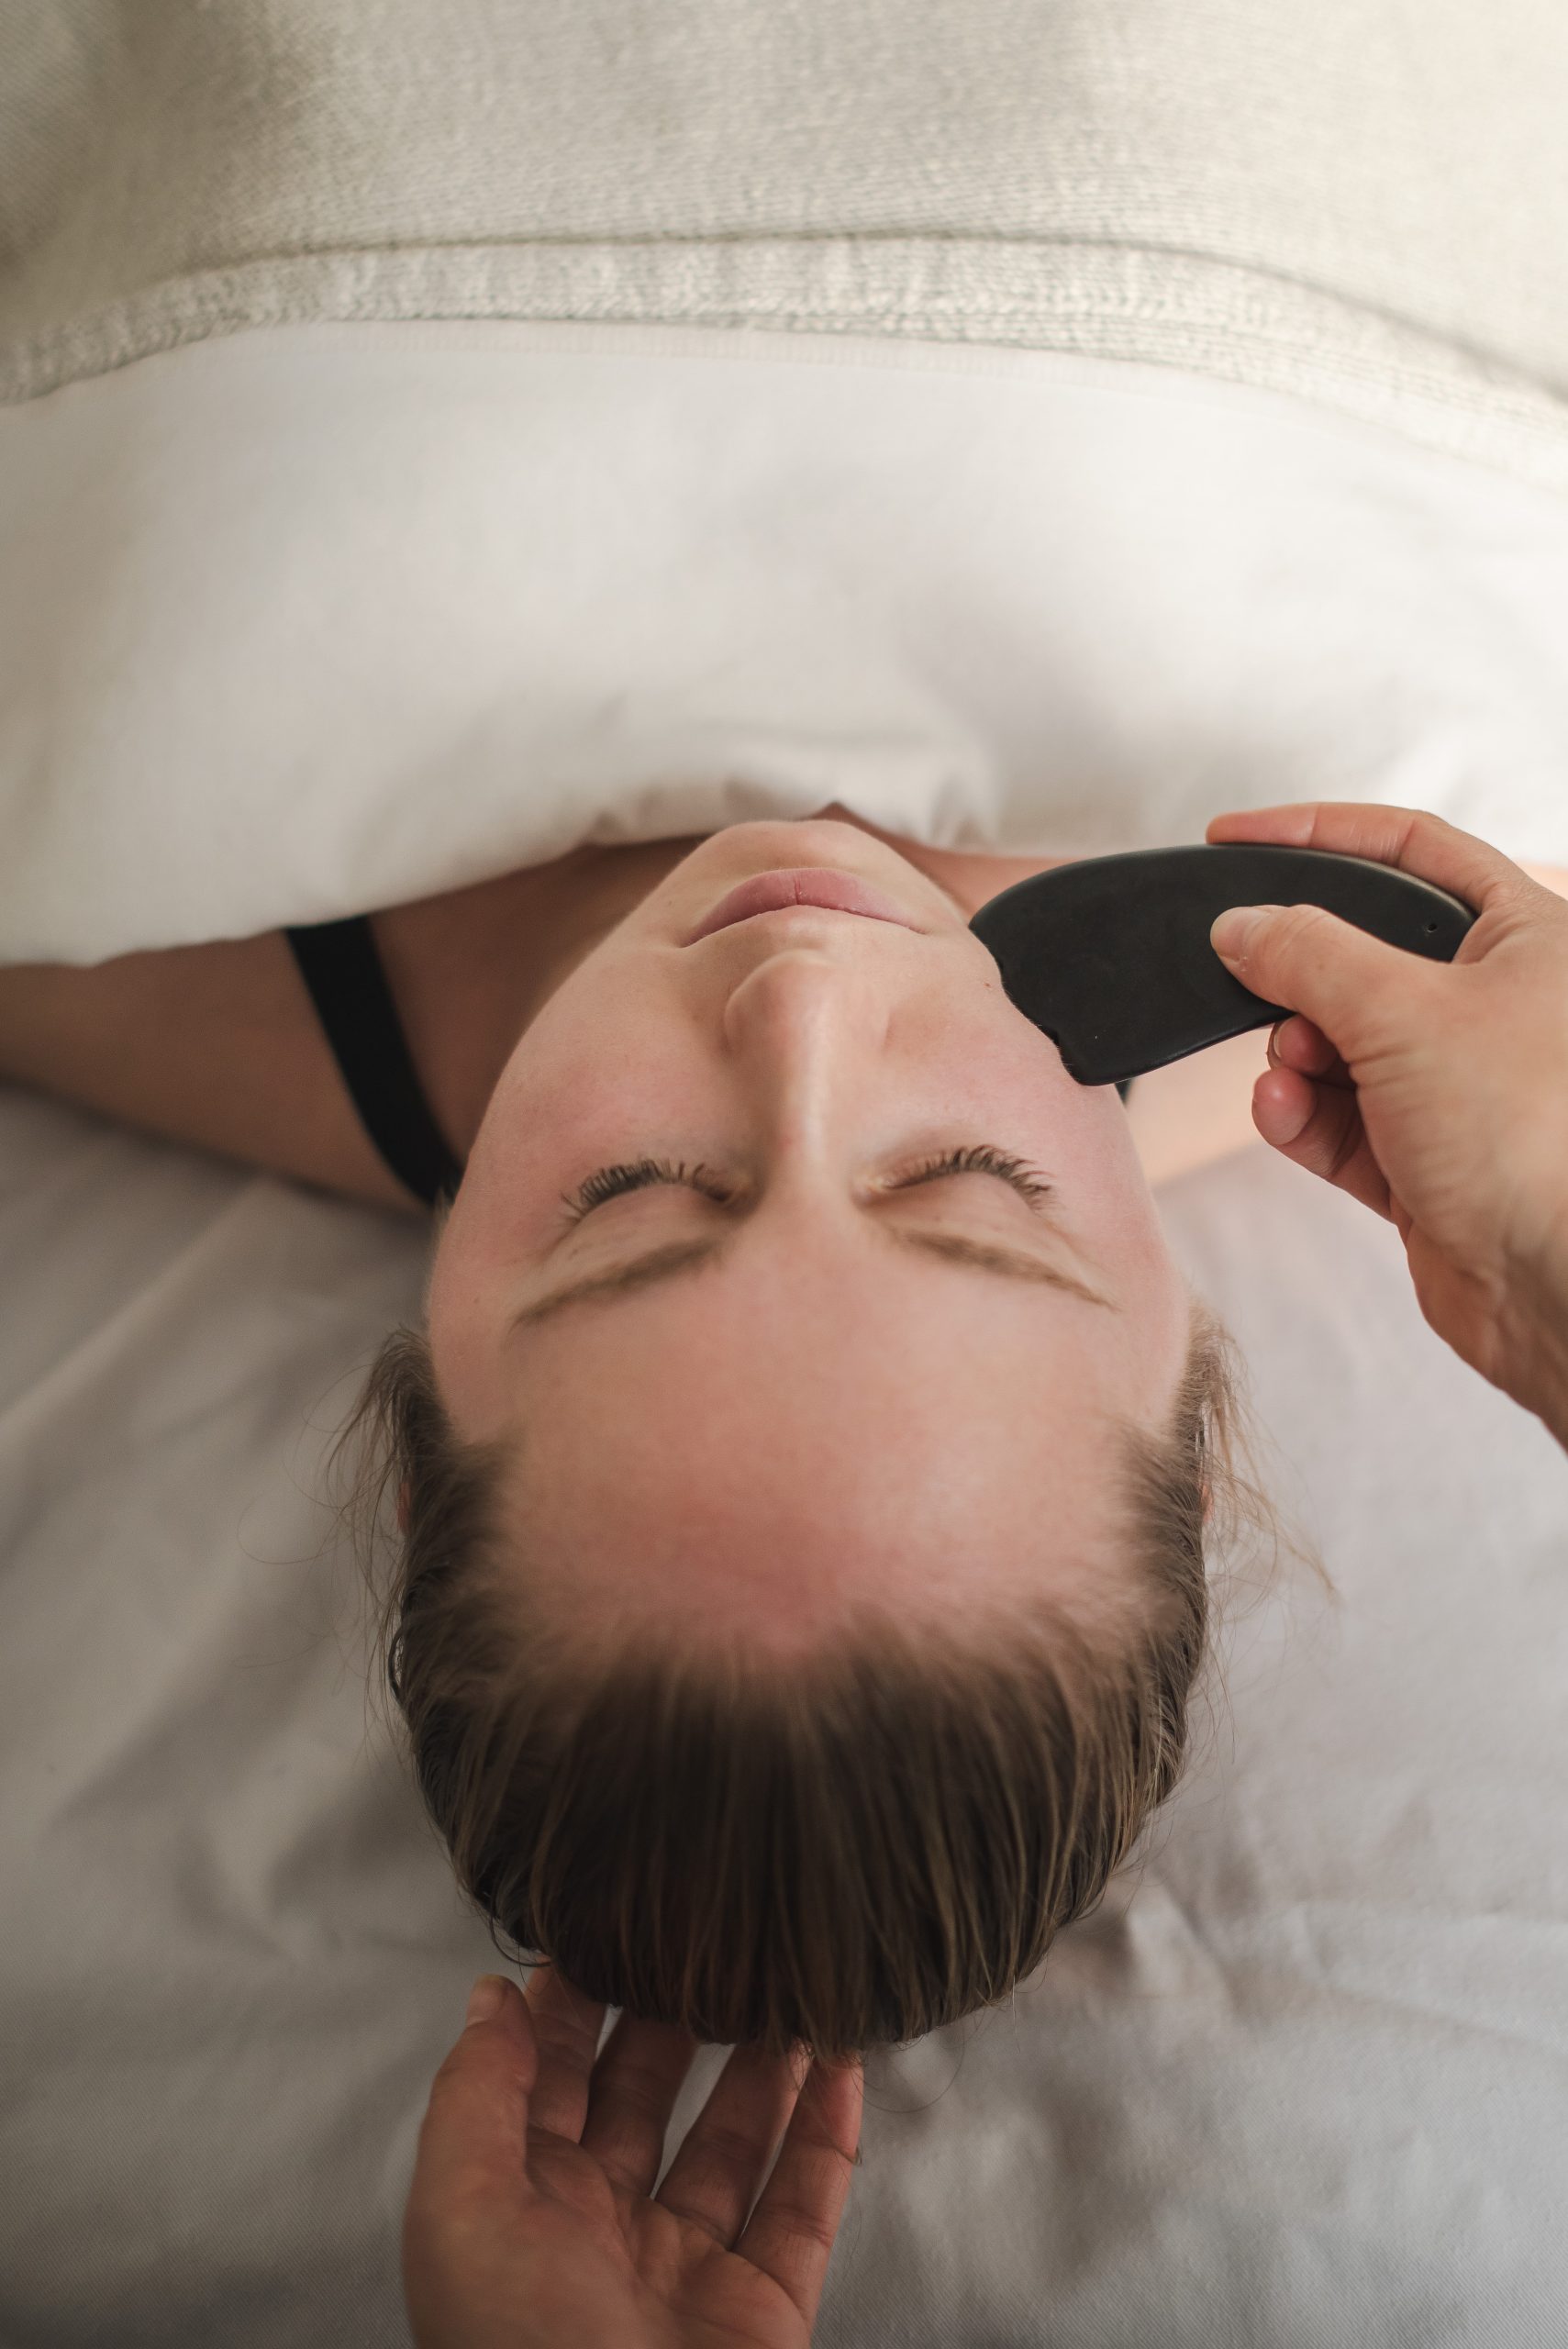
x=817 y=885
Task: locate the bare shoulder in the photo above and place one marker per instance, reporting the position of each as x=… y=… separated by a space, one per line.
x=1199 y=1109
x=217 y=1044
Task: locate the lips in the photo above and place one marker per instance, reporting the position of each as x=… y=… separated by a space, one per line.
x=802 y=885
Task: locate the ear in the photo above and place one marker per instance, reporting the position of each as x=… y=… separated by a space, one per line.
x=1207 y=1500
x=402 y=1507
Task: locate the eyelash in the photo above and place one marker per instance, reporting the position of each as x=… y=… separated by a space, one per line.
x=973 y=1158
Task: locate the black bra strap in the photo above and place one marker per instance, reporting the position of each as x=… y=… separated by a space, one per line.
x=338 y=962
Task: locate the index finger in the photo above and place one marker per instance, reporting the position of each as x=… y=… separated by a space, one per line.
x=790 y=2233
x=1410 y=838
x=567 y=2024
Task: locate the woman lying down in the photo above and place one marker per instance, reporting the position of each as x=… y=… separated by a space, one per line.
x=805 y=1465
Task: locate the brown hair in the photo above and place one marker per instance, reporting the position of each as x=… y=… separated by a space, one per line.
x=846 y=1853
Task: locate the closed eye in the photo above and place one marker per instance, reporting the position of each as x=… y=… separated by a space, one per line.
x=972 y=1158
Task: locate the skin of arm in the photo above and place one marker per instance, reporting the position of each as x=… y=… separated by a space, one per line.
x=216 y=1045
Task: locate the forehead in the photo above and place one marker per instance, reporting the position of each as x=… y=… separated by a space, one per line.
x=765 y=1490
x=855 y=1397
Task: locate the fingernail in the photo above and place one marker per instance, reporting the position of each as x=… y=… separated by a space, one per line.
x=484 y=1999
x=1230 y=931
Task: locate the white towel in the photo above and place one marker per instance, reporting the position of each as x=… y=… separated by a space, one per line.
x=1360 y=200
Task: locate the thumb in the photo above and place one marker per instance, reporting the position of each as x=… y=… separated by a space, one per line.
x=474 y=2139
x=1340 y=977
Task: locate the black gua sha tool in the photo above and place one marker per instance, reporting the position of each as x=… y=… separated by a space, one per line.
x=1111 y=955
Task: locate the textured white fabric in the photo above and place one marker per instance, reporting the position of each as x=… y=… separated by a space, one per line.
x=991 y=518
x=307 y=620
x=1300 y=2082
x=1363 y=201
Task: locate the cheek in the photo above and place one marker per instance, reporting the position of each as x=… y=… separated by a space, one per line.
x=1082 y=1137
x=598 y=1080
x=1110 y=1196
x=597 y=1063
x=997 y=1066
x=619 y=1008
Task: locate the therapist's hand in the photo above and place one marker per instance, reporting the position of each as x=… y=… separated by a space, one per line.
x=1434 y=1092
x=528 y=2224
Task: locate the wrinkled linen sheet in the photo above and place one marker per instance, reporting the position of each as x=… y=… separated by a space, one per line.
x=1301 y=2080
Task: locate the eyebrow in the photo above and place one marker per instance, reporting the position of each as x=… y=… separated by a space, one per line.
x=663 y=1262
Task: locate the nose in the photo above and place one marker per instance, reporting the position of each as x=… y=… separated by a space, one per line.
x=807 y=1027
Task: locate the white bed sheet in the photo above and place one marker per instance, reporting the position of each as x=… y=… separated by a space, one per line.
x=1304 y=2083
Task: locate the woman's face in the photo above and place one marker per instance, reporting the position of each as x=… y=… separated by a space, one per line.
x=826 y=1374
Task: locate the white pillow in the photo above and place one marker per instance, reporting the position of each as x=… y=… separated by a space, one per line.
x=305 y=620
